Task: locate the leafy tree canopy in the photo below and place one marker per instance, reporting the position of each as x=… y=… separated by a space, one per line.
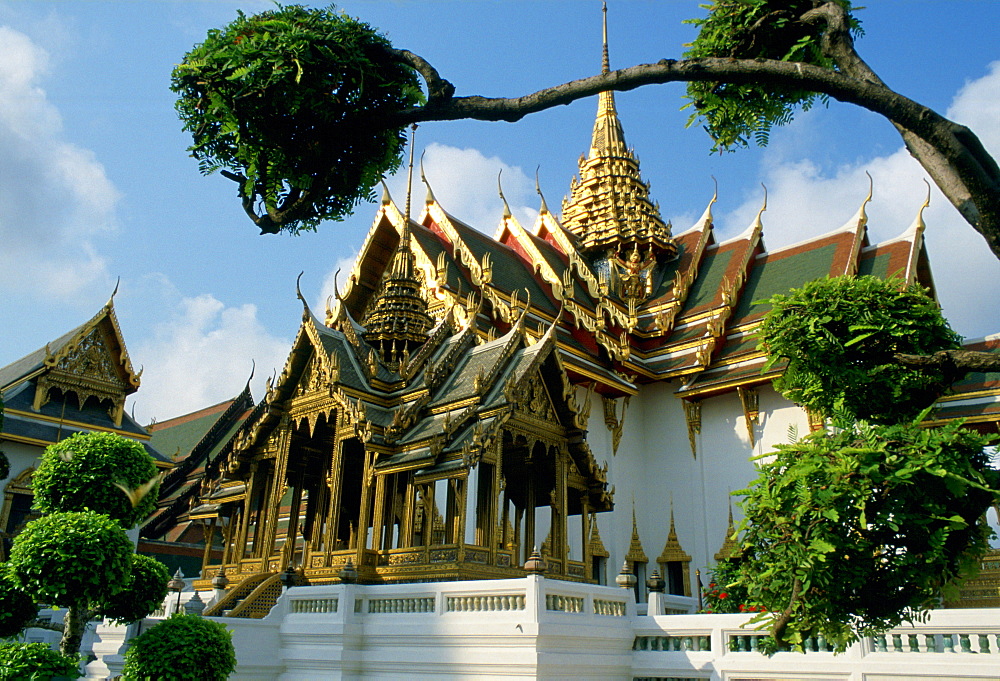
x=733 y=114
x=840 y=337
x=292 y=103
x=143 y=595
x=72 y=558
x=182 y=648
x=88 y=471
x=34 y=662
x=854 y=532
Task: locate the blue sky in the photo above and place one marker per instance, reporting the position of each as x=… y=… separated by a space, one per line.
x=95 y=182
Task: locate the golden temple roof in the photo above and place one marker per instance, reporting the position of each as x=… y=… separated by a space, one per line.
x=609 y=206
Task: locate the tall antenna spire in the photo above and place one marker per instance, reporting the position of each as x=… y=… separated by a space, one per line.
x=409 y=183
x=605 y=62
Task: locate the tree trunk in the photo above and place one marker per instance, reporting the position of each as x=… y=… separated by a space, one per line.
x=74 y=625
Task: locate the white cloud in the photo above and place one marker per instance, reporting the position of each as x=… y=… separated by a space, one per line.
x=54 y=196
x=465 y=184
x=202 y=355
x=804 y=200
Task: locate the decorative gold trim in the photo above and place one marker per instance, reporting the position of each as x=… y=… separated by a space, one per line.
x=596 y=545
x=674 y=553
x=692 y=415
x=729 y=546
x=635 y=553
x=750 y=401
x=615 y=423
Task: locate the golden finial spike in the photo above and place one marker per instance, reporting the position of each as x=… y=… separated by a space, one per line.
x=506 y=207
x=544 y=208
x=409 y=181
x=605 y=62
x=918 y=225
x=423 y=178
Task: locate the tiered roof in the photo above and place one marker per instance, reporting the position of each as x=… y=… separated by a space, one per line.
x=76 y=383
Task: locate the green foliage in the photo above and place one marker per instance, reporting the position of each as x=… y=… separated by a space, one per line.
x=16 y=607
x=724 y=593
x=294 y=100
x=182 y=648
x=868 y=526
x=80 y=473
x=144 y=595
x=734 y=114
x=839 y=336
x=34 y=662
x=70 y=559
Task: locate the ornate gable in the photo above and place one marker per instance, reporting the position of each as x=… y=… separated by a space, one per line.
x=92 y=363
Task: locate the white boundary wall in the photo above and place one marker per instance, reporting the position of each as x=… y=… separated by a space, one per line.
x=549 y=629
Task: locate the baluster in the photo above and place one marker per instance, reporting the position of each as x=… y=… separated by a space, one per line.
x=914 y=643
x=984 y=643
x=897 y=643
x=964 y=643
x=949 y=644
x=753 y=640
x=930 y=643
x=741 y=644
x=880 y=643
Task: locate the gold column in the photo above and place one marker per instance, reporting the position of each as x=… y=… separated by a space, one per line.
x=208 y=547
x=277 y=488
x=378 y=520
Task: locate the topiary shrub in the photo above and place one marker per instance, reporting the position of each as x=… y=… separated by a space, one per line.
x=143 y=595
x=293 y=103
x=16 y=607
x=34 y=662
x=84 y=471
x=72 y=559
x=182 y=648
x=840 y=336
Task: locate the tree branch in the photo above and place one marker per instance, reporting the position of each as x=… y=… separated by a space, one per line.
x=44 y=624
x=952 y=154
x=438 y=89
x=954 y=362
x=781 y=623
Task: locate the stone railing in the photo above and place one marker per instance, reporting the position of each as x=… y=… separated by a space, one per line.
x=488 y=603
x=545 y=628
x=961 y=643
x=302 y=606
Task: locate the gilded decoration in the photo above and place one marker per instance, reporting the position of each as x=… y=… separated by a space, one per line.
x=730 y=547
x=615 y=422
x=93 y=365
x=692 y=415
x=673 y=552
x=635 y=553
x=749 y=400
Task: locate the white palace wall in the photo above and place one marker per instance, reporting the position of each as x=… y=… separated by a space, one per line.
x=654 y=465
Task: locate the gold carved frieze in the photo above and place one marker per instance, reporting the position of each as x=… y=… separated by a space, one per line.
x=614 y=422
x=692 y=415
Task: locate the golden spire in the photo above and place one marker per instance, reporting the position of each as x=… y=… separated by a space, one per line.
x=609 y=206
x=398 y=323
x=608 y=138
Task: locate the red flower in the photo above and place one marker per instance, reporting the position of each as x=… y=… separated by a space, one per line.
x=723 y=595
